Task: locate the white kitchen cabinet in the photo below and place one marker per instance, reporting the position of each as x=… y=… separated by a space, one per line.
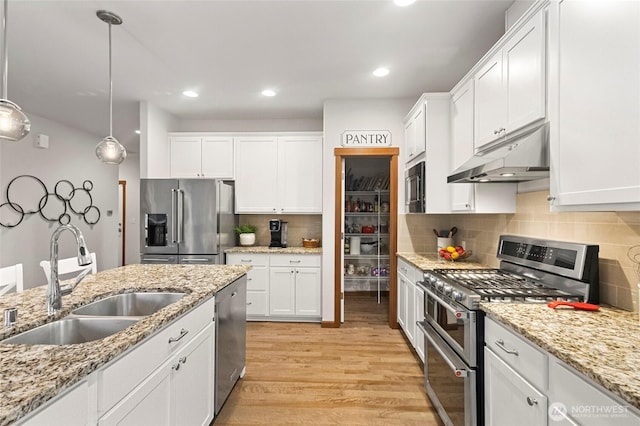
x=198 y=156
x=419 y=311
x=427 y=132
x=294 y=286
x=300 y=174
x=473 y=197
x=282 y=287
x=594 y=105
x=408 y=310
x=508 y=398
x=510 y=88
x=415 y=131
x=279 y=174
x=402 y=300
x=69 y=409
x=576 y=400
x=180 y=391
x=257 y=282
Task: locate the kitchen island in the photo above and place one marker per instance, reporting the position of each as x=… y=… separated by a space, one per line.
x=31 y=375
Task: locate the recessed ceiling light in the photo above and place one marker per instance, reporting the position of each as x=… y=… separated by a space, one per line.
x=381 y=72
x=190 y=94
x=137 y=132
x=484 y=180
x=507 y=174
x=403 y=3
x=268 y=92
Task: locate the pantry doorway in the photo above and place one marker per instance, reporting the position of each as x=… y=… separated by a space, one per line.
x=366 y=210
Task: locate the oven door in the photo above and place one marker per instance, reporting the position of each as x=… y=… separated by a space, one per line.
x=450 y=383
x=457 y=325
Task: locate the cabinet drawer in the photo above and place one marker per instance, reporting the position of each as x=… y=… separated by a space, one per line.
x=133 y=366
x=585 y=404
x=252 y=259
x=522 y=356
x=257 y=303
x=404 y=268
x=295 y=260
x=257 y=279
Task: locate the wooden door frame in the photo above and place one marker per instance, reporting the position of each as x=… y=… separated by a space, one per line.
x=392 y=154
x=123 y=183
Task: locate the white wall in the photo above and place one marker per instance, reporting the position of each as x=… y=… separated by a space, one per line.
x=70 y=156
x=130 y=172
x=340 y=115
x=279 y=125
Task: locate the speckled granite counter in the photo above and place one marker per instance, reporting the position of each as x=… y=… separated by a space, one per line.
x=274 y=250
x=602 y=345
x=429 y=261
x=31 y=375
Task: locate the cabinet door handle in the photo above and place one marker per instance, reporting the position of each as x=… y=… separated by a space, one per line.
x=551 y=198
x=246 y=260
x=183 y=360
x=249 y=303
x=294 y=261
x=532 y=401
x=176 y=366
x=183 y=333
x=234 y=294
x=500 y=344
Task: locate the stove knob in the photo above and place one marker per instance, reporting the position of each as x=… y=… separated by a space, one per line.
x=447 y=290
x=432 y=278
x=456 y=295
x=439 y=285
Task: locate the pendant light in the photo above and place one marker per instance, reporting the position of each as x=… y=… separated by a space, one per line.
x=14 y=124
x=109 y=150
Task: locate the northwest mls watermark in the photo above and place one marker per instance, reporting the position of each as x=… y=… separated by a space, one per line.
x=558 y=411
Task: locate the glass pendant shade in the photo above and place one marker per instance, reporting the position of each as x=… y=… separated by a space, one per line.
x=14 y=124
x=110 y=151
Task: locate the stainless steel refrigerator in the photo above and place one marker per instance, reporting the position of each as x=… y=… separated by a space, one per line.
x=186 y=220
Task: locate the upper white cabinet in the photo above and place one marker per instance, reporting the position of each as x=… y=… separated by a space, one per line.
x=510 y=89
x=427 y=132
x=473 y=197
x=594 y=105
x=279 y=174
x=196 y=156
x=415 y=131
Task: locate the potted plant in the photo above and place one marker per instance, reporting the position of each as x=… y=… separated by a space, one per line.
x=247 y=234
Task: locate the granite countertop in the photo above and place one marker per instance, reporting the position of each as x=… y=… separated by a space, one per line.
x=603 y=345
x=274 y=250
x=30 y=375
x=430 y=261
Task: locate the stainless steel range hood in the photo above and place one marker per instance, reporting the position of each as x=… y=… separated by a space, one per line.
x=521 y=158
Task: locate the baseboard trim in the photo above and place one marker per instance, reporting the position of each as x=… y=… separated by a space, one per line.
x=329 y=324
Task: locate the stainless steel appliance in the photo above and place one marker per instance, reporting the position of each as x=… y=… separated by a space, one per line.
x=186 y=220
x=231 y=336
x=414 y=189
x=531 y=271
x=279 y=230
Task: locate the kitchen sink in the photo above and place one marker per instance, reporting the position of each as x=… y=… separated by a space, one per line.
x=129 y=304
x=69 y=331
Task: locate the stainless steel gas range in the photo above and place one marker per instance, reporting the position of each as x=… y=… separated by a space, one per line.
x=531 y=271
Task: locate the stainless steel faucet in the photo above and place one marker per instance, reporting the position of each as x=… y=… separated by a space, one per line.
x=54 y=295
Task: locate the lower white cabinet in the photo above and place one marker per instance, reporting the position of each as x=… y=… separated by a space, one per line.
x=509 y=399
x=410 y=305
x=69 y=409
x=282 y=286
x=179 y=392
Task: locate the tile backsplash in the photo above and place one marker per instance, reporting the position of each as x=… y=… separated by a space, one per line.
x=614 y=232
x=299 y=227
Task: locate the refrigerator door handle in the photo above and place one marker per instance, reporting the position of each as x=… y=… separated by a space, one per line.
x=180 y=214
x=173 y=213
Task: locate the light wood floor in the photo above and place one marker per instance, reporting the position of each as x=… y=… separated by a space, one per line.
x=360 y=374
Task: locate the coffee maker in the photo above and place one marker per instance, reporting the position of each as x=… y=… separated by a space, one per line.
x=278 y=230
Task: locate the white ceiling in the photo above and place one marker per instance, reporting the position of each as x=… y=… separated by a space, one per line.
x=307 y=50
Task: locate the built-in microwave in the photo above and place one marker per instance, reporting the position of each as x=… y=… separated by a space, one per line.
x=414 y=189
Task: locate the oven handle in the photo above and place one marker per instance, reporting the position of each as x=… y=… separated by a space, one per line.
x=458 y=366
x=456 y=313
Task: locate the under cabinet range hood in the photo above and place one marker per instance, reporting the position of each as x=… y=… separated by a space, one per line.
x=520 y=158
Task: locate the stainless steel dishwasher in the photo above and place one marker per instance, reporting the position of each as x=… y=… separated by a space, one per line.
x=231 y=336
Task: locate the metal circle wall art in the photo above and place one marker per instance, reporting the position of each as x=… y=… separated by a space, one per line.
x=27 y=195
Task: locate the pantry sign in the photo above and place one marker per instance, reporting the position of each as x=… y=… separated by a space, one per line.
x=366 y=138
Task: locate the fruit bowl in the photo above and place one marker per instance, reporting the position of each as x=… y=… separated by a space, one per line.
x=453 y=253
